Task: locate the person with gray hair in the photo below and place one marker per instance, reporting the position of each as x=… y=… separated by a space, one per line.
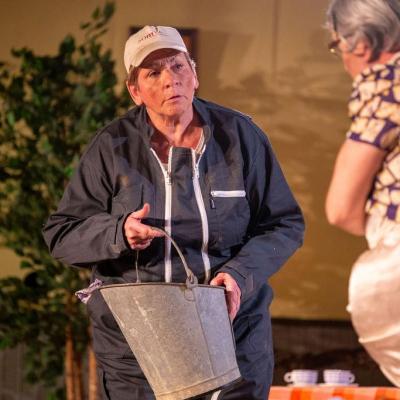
x=204 y=174
x=375 y=22
x=364 y=193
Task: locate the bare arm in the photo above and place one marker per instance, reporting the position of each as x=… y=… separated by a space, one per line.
x=356 y=166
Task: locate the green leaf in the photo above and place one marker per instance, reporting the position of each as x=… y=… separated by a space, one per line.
x=67 y=46
x=108 y=10
x=85 y=25
x=68 y=171
x=51 y=107
x=25 y=264
x=96 y=13
x=11 y=118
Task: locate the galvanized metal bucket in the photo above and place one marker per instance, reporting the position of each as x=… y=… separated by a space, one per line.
x=180 y=334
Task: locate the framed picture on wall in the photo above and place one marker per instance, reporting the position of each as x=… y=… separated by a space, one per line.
x=189 y=36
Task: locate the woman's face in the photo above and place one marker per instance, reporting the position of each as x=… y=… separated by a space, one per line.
x=165 y=85
x=355 y=60
x=352 y=62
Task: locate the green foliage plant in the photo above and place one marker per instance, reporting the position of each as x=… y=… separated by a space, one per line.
x=50 y=107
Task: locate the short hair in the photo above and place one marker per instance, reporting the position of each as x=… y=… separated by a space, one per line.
x=377 y=22
x=132 y=78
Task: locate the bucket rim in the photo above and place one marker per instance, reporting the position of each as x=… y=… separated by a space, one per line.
x=114 y=285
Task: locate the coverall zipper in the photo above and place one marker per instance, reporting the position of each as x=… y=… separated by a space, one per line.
x=168 y=211
x=203 y=215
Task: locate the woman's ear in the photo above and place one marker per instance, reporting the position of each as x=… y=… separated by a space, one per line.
x=135 y=93
x=363 y=50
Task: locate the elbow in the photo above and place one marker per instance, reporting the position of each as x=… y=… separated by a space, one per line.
x=336 y=218
x=348 y=221
x=337 y=213
x=296 y=228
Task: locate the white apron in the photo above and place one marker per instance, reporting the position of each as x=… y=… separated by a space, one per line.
x=374 y=296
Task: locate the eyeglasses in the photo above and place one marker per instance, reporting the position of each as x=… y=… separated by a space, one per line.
x=333 y=47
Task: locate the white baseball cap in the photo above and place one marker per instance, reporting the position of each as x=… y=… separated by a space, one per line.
x=149 y=39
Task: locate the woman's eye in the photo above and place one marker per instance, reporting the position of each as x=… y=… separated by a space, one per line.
x=153 y=74
x=179 y=66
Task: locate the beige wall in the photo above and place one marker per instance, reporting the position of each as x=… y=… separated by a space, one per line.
x=267 y=58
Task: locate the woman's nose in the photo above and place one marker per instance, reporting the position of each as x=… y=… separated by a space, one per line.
x=169 y=78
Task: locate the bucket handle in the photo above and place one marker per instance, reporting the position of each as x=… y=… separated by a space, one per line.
x=191 y=278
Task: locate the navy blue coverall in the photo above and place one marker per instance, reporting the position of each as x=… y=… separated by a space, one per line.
x=229 y=209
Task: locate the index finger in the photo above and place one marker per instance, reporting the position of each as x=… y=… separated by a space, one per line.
x=157 y=232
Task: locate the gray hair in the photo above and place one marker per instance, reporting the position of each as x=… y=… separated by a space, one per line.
x=376 y=22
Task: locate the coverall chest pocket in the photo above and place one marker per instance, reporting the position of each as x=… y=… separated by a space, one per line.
x=128 y=199
x=232 y=212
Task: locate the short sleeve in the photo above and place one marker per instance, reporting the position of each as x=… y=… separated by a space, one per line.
x=374 y=108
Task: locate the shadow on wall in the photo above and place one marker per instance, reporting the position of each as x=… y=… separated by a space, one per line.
x=303 y=108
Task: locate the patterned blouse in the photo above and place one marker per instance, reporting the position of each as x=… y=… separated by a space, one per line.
x=374 y=109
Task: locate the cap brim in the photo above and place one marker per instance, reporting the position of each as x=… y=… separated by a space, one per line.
x=141 y=55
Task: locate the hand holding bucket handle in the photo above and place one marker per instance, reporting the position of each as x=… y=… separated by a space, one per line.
x=232 y=290
x=191 y=279
x=139 y=235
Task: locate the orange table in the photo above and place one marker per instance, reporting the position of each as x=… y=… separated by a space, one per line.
x=333 y=393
